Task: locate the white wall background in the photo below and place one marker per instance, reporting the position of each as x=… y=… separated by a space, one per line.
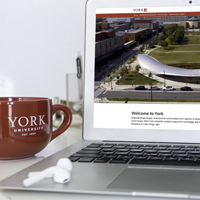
x=39 y=43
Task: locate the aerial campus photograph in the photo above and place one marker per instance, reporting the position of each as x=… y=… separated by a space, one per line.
x=147 y=59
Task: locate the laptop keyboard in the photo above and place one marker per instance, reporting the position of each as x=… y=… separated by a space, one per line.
x=138 y=154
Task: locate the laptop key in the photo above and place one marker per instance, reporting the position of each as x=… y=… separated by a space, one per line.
x=126 y=157
x=107 y=152
x=173 y=148
x=172 y=158
x=194 y=152
x=144 y=161
x=194 y=155
x=73 y=159
x=166 y=154
x=133 y=147
x=101 y=160
x=146 y=148
x=106 y=146
x=156 y=158
x=119 y=147
x=197 y=161
x=160 y=148
x=179 y=152
x=85 y=159
x=180 y=146
x=136 y=153
x=110 y=156
x=121 y=153
x=108 y=149
x=187 y=159
x=165 y=146
x=181 y=155
x=122 y=150
x=123 y=144
x=89 y=152
x=164 y=151
x=188 y=148
x=150 y=151
x=136 y=150
x=93 y=146
x=86 y=155
x=140 y=158
x=91 y=149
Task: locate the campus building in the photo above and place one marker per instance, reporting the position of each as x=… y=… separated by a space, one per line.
x=191 y=23
x=132 y=35
x=168 y=19
x=107 y=43
x=100 y=26
x=119 y=27
x=144 y=23
x=128 y=20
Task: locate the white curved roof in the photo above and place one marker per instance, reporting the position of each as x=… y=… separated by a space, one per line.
x=156 y=67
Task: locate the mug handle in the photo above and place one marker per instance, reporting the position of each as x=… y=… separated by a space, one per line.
x=66 y=121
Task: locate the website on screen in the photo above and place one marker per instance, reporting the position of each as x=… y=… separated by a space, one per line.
x=147 y=68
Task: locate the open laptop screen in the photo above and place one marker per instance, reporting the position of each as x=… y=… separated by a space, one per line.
x=142 y=71
x=147 y=68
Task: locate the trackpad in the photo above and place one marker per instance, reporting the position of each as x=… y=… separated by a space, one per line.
x=161 y=180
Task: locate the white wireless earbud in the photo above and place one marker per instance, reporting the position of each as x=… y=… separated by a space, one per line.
x=63 y=162
x=60 y=173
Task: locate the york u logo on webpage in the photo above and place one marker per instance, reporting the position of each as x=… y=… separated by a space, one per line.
x=27 y=121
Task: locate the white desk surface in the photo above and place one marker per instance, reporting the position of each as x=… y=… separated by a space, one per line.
x=72 y=135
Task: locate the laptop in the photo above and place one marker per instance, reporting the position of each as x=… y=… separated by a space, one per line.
x=141 y=101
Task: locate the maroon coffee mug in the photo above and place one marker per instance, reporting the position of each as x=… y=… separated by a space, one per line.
x=26 y=125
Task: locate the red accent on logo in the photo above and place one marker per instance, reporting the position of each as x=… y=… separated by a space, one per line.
x=145 y=9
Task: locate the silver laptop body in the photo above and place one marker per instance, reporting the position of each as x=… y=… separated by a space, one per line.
x=122 y=123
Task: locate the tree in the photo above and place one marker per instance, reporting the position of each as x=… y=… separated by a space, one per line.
x=157 y=33
x=151 y=45
x=170 y=39
x=154 y=41
x=141 y=49
x=150 y=75
x=162 y=37
x=108 y=74
x=169 y=29
x=137 y=68
x=122 y=73
x=163 y=43
x=178 y=35
x=126 y=99
x=126 y=70
x=173 y=34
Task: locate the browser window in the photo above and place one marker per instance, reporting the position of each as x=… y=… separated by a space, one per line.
x=147 y=68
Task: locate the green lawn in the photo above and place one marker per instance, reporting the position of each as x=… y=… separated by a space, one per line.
x=193 y=39
x=176 y=57
x=192 y=33
x=188 y=47
x=189 y=52
x=136 y=78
